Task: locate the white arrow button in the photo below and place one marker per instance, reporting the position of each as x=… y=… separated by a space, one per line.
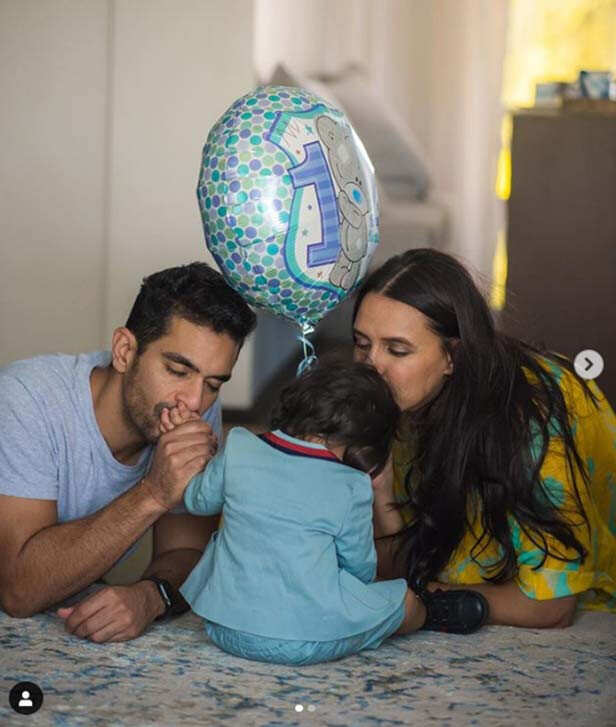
x=588 y=364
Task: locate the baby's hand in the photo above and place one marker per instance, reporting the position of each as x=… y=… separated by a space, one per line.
x=170 y=418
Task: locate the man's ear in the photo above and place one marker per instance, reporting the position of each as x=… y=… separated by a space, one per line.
x=123 y=349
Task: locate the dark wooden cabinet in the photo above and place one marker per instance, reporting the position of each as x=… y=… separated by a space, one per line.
x=562 y=235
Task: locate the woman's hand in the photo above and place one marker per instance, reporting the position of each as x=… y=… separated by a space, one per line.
x=386 y=519
x=383 y=483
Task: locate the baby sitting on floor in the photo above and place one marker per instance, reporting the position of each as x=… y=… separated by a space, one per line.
x=289 y=578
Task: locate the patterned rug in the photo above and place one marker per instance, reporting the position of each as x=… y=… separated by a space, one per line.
x=174 y=676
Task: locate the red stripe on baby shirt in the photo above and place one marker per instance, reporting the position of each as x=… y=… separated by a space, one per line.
x=297 y=449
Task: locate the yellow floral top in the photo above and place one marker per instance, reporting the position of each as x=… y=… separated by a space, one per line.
x=594 y=430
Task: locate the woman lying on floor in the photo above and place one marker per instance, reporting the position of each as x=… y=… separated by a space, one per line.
x=504 y=469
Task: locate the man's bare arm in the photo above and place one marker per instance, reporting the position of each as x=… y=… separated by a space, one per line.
x=44 y=562
x=119 y=613
x=179 y=542
x=179 y=539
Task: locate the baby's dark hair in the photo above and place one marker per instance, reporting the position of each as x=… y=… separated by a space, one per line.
x=346 y=404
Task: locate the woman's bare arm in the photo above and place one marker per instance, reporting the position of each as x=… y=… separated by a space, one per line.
x=386 y=521
x=510 y=607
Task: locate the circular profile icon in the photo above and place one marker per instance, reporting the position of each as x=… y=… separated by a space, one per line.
x=26 y=698
x=588 y=364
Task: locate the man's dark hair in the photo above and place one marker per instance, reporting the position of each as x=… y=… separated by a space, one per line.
x=195 y=292
x=346 y=404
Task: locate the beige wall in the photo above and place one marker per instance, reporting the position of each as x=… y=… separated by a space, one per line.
x=106 y=106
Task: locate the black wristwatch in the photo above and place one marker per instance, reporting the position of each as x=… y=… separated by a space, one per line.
x=168 y=594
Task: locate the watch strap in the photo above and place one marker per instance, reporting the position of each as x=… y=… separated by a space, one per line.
x=166 y=592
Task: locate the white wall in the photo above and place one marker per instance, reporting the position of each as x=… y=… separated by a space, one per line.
x=176 y=67
x=53 y=86
x=399 y=57
x=465 y=109
x=314 y=37
x=106 y=106
x=439 y=64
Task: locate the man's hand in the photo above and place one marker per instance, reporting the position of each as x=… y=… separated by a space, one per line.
x=170 y=418
x=183 y=450
x=115 y=613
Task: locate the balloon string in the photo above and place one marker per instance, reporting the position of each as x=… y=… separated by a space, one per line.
x=310 y=356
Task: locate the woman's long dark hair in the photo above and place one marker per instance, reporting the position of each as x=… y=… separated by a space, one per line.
x=478 y=446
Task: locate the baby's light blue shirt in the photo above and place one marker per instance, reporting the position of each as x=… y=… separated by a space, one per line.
x=295 y=554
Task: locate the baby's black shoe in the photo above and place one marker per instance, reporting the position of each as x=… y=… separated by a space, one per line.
x=459 y=611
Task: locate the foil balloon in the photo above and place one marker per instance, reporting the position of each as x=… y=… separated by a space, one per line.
x=289 y=205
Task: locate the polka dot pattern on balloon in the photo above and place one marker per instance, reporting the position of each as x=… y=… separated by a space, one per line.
x=265 y=202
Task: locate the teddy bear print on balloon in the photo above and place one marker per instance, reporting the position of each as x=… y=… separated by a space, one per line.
x=352 y=202
x=289 y=205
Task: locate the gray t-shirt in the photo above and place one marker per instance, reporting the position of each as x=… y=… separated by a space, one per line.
x=50 y=445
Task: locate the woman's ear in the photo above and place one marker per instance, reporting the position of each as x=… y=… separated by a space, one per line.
x=123 y=349
x=450 y=349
